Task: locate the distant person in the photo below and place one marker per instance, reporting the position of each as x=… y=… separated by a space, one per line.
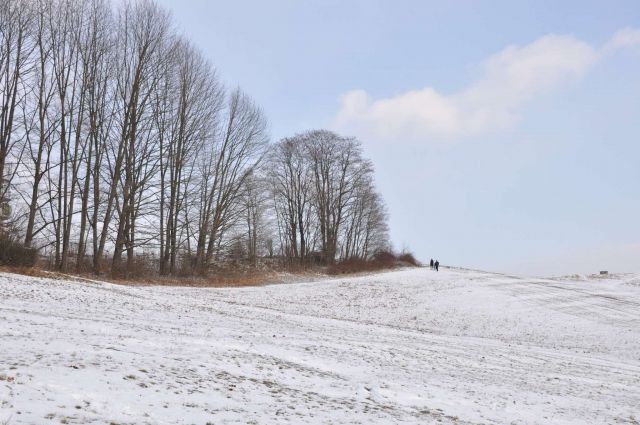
x=431 y=264
x=437 y=264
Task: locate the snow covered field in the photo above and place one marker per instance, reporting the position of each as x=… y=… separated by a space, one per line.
x=411 y=346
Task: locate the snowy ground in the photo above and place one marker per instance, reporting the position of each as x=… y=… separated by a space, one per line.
x=411 y=346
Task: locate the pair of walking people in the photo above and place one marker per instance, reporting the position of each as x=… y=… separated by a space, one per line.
x=434 y=265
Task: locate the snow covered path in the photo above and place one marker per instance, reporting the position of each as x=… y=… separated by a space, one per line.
x=410 y=346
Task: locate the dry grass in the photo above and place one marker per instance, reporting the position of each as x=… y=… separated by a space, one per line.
x=219 y=280
x=213 y=281
x=383 y=260
x=27 y=271
x=233 y=276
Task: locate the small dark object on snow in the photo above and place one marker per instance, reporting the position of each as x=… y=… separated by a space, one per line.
x=437 y=264
x=431 y=263
x=604 y=272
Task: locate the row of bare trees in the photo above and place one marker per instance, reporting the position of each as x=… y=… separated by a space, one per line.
x=325 y=200
x=117 y=138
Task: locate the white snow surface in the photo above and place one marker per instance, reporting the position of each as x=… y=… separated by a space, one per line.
x=409 y=346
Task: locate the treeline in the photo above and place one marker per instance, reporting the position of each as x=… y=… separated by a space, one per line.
x=119 y=142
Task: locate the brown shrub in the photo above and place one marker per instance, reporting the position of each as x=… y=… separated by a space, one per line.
x=13 y=253
x=384 y=259
x=350 y=265
x=380 y=261
x=407 y=257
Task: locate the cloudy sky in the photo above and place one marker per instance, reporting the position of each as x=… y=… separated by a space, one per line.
x=506 y=135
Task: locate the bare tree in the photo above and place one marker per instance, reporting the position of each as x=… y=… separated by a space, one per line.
x=40 y=122
x=338 y=167
x=255 y=198
x=142 y=38
x=15 y=52
x=292 y=186
x=187 y=108
x=225 y=165
x=96 y=56
x=365 y=231
x=66 y=23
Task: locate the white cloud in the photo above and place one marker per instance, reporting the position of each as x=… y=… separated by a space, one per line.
x=626 y=37
x=509 y=79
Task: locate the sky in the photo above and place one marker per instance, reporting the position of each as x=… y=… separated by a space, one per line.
x=505 y=135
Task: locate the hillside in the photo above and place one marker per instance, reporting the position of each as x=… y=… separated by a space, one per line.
x=411 y=346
